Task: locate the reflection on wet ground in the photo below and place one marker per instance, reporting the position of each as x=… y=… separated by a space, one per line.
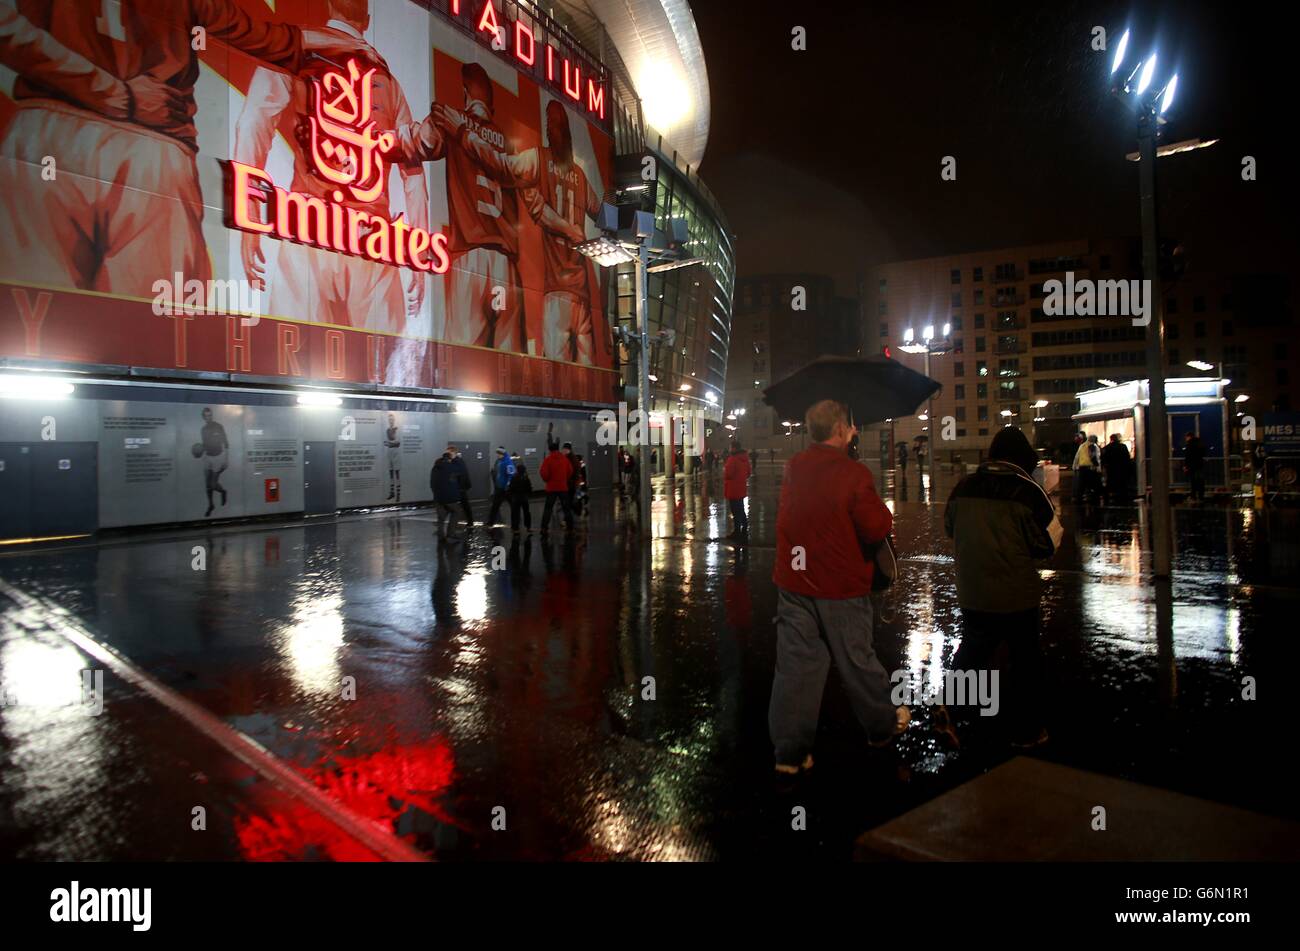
x=492 y=698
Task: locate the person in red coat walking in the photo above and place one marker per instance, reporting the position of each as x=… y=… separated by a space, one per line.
x=556 y=471
x=829 y=521
x=735 y=487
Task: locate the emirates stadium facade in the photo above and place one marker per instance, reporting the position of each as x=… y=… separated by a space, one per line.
x=279 y=269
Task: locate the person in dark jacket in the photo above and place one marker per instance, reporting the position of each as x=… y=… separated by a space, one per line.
x=445 y=483
x=462 y=475
x=1115 y=462
x=829 y=520
x=503 y=470
x=1001 y=523
x=579 y=485
x=555 y=472
x=1194 y=465
x=520 y=491
x=567 y=449
x=632 y=476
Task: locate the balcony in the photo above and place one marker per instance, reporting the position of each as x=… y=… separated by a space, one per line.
x=1008 y=300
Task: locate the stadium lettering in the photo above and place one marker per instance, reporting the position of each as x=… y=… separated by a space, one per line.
x=522 y=45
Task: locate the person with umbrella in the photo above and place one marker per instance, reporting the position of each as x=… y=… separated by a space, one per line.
x=829 y=519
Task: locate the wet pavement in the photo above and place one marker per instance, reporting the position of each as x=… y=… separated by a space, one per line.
x=488 y=699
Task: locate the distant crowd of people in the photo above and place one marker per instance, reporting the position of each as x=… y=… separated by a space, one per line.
x=1109 y=473
x=564 y=478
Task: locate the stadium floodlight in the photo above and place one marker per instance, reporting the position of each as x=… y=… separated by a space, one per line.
x=605 y=251
x=1167 y=99
x=1148 y=72
x=1119 y=53
x=34 y=386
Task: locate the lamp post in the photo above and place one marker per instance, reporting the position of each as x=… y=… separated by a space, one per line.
x=650 y=249
x=1138 y=91
x=928 y=344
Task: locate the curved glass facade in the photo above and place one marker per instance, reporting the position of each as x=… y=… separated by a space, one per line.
x=695 y=301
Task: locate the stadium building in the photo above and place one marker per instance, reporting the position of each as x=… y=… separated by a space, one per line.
x=354 y=244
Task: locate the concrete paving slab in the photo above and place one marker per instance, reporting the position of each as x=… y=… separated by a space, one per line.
x=1030 y=810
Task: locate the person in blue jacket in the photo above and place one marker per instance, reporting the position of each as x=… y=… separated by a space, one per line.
x=503 y=470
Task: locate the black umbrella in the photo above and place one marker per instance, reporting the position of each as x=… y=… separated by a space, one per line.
x=875 y=388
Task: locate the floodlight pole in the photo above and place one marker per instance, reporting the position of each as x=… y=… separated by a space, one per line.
x=643 y=387
x=1157 y=418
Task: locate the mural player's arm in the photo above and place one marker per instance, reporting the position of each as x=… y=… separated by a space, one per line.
x=586 y=329
x=509 y=169
x=36 y=56
x=419 y=142
x=417 y=203
x=279 y=44
x=268 y=96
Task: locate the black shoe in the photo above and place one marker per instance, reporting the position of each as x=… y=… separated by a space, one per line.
x=209 y=511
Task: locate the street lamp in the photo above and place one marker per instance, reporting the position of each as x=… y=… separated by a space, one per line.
x=928 y=344
x=652 y=250
x=1149 y=103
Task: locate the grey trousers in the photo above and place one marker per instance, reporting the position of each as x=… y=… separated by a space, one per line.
x=810 y=633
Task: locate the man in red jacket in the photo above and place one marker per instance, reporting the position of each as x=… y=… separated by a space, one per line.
x=735 y=486
x=555 y=472
x=829 y=521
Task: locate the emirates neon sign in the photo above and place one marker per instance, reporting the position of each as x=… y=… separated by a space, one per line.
x=347 y=152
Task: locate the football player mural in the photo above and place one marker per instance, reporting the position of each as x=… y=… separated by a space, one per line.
x=405 y=196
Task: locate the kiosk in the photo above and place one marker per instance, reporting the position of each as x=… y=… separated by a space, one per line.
x=1193 y=405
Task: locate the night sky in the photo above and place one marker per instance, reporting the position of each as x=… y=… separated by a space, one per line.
x=828 y=160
